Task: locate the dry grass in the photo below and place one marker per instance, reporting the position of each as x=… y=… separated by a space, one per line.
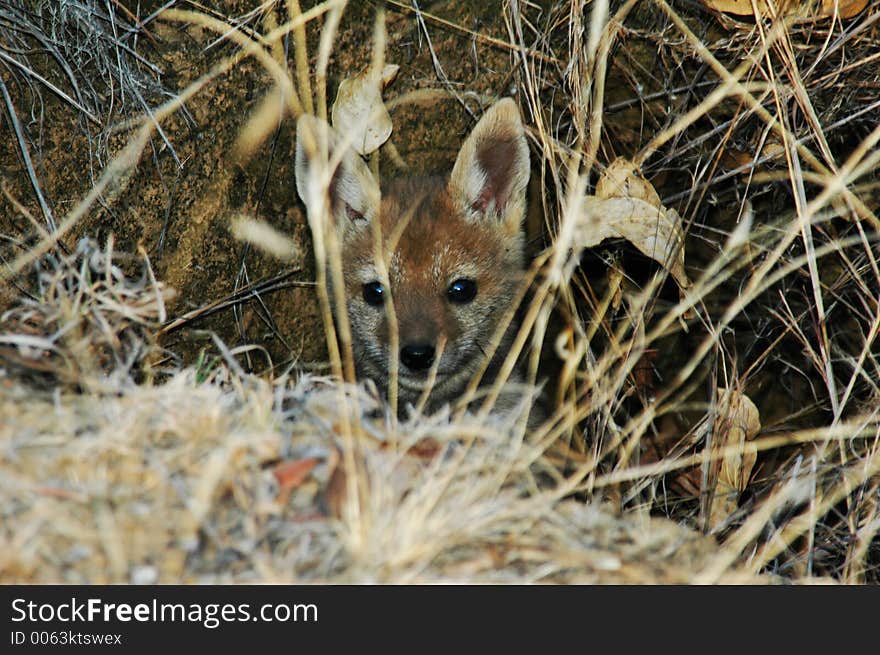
x=175 y=483
x=763 y=135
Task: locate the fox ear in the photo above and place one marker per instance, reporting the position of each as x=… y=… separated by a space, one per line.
x=327 y=169
x=491 y=172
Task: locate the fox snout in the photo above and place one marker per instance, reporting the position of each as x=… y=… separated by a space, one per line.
x=417 y=357
x=418 y=336
x=423 y=330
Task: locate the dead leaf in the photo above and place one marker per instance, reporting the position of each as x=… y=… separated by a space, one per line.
x=397 y=481
x=623 y=179
x=336 y=493
x=655 y=231
x=737 y=423
x=767 y=152
x=627 y=206
x=643 y=372
x=813 y=9
x=846 y=8
x=360 y=111
x=290 y=474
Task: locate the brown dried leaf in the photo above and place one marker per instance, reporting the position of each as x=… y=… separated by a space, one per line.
x=655 y=231
x=359 y=110
x=623 y=179
x=336 y=493
x=627 y=206
x=813 y=9
x=846 y=8
x=771 y=149
x=399 y=480
x=738 y=7
x=292 y=473
x=738 y=422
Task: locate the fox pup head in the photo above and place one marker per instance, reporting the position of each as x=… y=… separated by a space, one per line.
x=452 y=248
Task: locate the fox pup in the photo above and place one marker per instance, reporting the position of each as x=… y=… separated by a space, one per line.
x=453 y=248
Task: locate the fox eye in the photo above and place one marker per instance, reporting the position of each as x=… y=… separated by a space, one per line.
x=462 y=291
x=374 y=293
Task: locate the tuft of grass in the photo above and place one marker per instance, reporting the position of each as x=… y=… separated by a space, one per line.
x=89 y=324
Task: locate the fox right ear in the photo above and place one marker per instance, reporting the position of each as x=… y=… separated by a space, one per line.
x=327 y=170
x=491 y=172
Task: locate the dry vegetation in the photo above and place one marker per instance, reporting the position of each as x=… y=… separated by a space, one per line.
x=172 y=404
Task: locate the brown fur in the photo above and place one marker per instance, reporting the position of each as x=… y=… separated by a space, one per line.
x=434 y=231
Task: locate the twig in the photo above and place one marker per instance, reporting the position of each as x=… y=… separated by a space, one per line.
x=23 y=149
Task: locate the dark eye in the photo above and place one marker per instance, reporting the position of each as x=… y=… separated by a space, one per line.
x=374 y=294
x=462 y=291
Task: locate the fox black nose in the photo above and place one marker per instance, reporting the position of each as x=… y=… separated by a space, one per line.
x=417 y=357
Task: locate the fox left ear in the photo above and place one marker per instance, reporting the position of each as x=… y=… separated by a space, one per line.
x=491 y=172
x=351 y=189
